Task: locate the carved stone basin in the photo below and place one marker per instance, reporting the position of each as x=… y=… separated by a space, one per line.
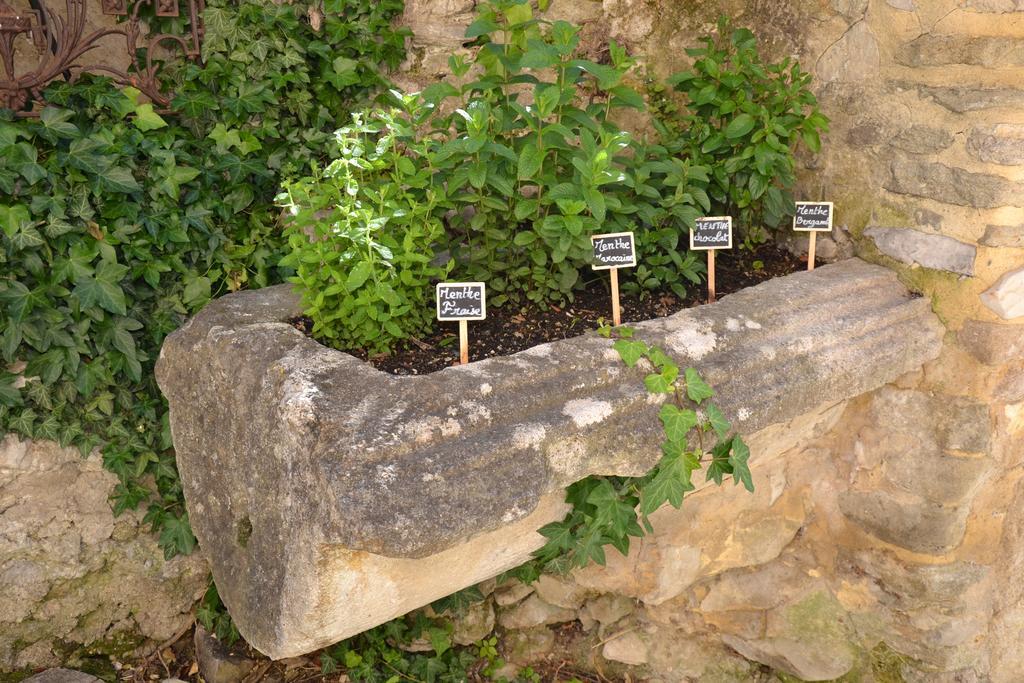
x=331 y=497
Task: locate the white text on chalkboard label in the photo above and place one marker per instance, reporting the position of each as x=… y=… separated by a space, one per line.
x=614 y=250
x=813 y=217
x=711 y=233
x=461 y=301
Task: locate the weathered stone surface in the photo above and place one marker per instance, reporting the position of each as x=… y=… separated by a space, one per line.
x=906 y=520
x=932 y=421
x=474 y=623
x=559 y=592
x=716 y=531
x=70 y=571
x=903 y=5
x=1006 y=297
x=1001 y=143
x=510 y=595
x=763 y=588
x=607 y=609
x=1011 y=387
x=62 y=676
x=534 y=612
x=993 y=343
x=851 y=9
x=916 y=586
x=628 y=648
x=809 y=639
x=217 y=662
x=530 y=645
x=952 y=185
x=246 y=387
x=966 y=99
x=996 y=6
x=854 y=57
x=939 y=50
x=923 y=139
x=924 y=249
x=1004 y=236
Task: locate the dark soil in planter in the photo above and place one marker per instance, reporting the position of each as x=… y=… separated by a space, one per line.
x=510 y=329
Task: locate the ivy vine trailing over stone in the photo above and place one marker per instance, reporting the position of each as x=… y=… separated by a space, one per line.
x=610 y=510
x=117 y=222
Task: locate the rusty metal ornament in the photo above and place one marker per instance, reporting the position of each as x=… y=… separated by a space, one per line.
x=63 y=47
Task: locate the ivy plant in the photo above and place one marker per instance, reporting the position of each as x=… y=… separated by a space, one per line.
x=743 y=119
x=118 y=221
x=611 y=510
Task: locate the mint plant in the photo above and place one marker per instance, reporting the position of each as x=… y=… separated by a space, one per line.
x=610 y=510
x=533 y=150
x=744 y=118
x=362 y=235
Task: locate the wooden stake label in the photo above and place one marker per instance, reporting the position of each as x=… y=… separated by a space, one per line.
x=813 y=217
x=714 y=232
x=614 y=250
x=461 y=301
x=709 y=234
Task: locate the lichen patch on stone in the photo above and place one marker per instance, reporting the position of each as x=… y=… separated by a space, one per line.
x=693 y=338
x=528 y=436
x=586 y=411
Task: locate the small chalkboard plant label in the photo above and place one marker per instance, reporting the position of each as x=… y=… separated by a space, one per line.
x=462 y=302
x=612 y=251
x=709 y=234
x=812 y=217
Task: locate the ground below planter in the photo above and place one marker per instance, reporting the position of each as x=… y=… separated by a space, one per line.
x=515 y=328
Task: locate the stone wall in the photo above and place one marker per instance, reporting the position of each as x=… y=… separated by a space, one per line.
x=896 y=538
x=883 y=543
x=74 y=578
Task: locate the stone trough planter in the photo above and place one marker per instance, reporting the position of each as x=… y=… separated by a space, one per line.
x=331 y=497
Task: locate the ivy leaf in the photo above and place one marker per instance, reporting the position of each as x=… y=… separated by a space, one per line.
x=176 y=536
x=559 y=535
x=56 y=121
x=119 y=179
x=630 y=351
x=9 y=396
x=440 y=640
x=718 y=421
x=696 y=389
x=103 y=290
x=146 y=119
x=13 y=217
x=738 y=460
x=670 y=483
x=677 y=422
x=27 y=238
x=197 y=291
x=663 y=382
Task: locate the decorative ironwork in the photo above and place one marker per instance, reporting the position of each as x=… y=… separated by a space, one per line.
x=63 y=47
